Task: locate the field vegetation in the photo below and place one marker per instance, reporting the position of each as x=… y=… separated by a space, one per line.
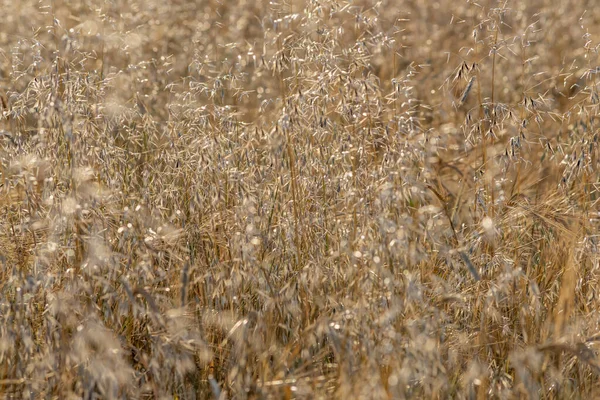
x=302 y=199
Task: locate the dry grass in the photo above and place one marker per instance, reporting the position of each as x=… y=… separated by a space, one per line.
x=313 y=199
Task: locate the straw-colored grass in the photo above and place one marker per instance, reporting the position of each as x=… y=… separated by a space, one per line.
x=311 y=199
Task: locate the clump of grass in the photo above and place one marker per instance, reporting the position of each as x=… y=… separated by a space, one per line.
x=312 y=200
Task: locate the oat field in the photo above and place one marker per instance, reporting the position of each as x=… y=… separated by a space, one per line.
x=299 y=199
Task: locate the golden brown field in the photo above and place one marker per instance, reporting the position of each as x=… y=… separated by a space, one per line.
x=305 y=199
